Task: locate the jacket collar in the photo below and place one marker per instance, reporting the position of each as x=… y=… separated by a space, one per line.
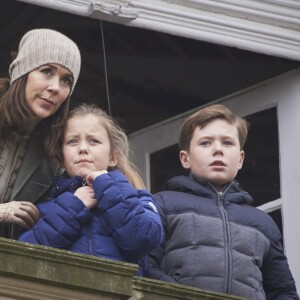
x=232 y=192
x=63 y=184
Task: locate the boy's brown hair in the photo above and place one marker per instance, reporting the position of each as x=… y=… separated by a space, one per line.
x=205 y=116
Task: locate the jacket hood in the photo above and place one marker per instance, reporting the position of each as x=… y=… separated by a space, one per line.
x=204 y=188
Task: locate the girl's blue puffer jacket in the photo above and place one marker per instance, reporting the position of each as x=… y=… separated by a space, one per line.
x=125 y=226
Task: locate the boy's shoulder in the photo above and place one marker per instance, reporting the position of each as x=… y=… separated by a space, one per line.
x=261 y=221
x=182 y=194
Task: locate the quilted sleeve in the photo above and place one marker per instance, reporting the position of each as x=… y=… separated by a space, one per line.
x=60 y=224
x=130 y=214
x=154 y=258
x=278 y=281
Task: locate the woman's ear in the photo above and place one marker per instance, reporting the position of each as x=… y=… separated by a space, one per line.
x=184 y=158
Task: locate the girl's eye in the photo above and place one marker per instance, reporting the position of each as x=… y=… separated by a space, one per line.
x=67 y=81
x=94 y=141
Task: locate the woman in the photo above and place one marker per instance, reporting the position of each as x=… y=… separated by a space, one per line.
x=33 y=106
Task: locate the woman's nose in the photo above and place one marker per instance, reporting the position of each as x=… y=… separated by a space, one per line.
x=54 y=84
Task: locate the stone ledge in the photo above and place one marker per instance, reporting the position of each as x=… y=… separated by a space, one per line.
x=149 y=289
x=33 y=272
x=64 y=268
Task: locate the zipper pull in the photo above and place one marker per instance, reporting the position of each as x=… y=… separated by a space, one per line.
x=84 y=182
x=220 y=196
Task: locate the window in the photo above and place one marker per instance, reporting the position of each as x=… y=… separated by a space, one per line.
x=260 y=173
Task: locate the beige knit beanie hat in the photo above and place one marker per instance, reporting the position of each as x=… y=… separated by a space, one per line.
x=45 y=46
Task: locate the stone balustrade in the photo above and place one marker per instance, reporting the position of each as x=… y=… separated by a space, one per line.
x=32 y=272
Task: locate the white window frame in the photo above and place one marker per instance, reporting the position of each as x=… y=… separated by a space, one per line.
x=263 y=26
x=282 y=92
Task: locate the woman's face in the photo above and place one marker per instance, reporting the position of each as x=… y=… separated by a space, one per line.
x=47 y=88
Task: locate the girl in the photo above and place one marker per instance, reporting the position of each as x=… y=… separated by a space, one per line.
x=96 y=209
x=34 y=100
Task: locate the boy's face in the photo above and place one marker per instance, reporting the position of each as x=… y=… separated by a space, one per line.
x=86 y=146
x=214 y=153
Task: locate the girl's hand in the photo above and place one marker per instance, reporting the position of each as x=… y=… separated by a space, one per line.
x=87 y=196
x=91 y=177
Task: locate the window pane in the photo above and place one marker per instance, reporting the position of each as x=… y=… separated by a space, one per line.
x=260 y=174
x=164 y=165
x=276 y=216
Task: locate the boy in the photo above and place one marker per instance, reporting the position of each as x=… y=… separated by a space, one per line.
x=214 y=239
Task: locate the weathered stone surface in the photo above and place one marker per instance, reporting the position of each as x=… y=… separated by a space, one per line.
x=32 y=272
x=63 y=268
x=149 y=289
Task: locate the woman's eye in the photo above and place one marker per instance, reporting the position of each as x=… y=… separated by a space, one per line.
x=46 y=71
x=71 y=142
x=67 y=81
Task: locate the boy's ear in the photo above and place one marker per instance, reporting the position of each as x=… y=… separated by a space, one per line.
x=184 y=158
x=242 y=157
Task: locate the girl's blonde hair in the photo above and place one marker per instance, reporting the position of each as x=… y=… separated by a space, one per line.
x=118 y=142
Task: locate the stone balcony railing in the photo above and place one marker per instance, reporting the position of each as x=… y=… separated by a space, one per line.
x=31 y=272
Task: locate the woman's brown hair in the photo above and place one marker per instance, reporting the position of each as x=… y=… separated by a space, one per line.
x=16 y=118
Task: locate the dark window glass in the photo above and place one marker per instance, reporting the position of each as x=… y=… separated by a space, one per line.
x=277 y=217
x=164 y=165
x=260 y=173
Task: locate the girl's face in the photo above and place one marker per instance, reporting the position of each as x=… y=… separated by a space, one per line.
x=47 y=88
x=86 y=146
